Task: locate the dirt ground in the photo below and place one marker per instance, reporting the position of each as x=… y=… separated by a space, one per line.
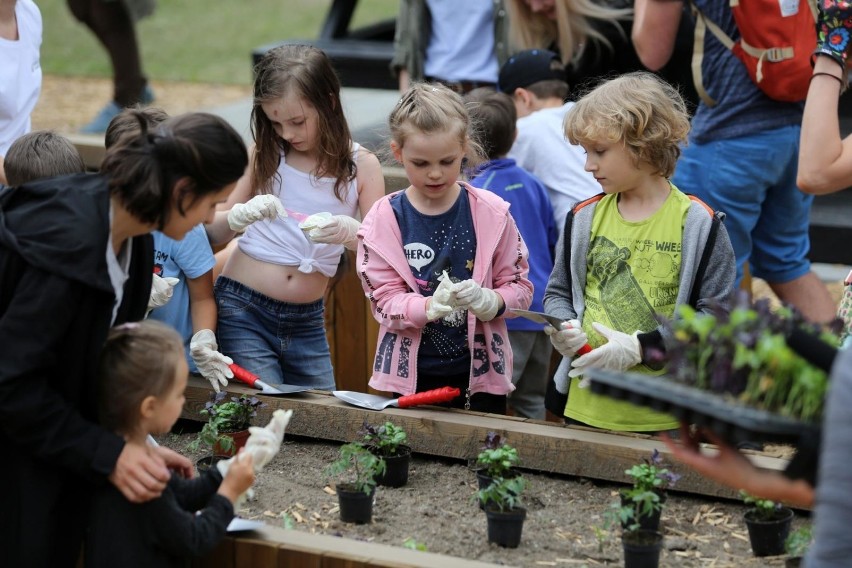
x=435 y=509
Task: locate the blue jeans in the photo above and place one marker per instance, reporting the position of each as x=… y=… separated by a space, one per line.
x=282 y=343
x=752 y=179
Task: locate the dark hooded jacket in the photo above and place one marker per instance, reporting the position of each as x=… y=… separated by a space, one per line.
x=56 y=303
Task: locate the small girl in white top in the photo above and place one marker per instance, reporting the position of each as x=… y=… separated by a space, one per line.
x=270 y=293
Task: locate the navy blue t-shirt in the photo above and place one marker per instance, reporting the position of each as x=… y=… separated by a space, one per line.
x=433 y=244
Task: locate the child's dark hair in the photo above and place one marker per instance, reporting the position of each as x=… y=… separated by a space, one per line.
x=138 y=360
x=430 y=108
x=492 y=121
x=143 y=169
x=127 y=122
x=305 y=71
x=41 y=154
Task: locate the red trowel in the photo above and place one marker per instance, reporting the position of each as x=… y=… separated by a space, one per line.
x=376 y=402
x=253 y=380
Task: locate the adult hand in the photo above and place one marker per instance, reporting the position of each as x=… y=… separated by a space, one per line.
x=568 y=340
x=482 y=302
x=441 y=303
x=161 y=291
x=834 y=30
x=336 y=230
x=175 y=462
x=255 y=209
x=211 y=364
x=140 y=473
x=619 y=353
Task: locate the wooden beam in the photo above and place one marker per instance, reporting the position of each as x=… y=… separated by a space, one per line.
x=543 y=446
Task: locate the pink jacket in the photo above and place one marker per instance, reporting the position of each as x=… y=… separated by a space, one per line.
x=500 y=264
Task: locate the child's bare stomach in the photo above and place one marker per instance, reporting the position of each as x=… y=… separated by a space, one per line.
x=283 y=283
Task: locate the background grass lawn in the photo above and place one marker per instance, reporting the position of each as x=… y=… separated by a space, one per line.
x=208 y=41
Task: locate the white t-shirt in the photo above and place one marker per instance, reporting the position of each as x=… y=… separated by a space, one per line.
x=542 y=150
x=20 y=74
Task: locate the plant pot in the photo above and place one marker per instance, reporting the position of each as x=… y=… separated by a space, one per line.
x=647 y=522
x=202 y=464
x=641 y=548
x=505 y=527
x=396 y=468
x=484 y=479
x=768 y=537
x=240 y=438
x=355 y=506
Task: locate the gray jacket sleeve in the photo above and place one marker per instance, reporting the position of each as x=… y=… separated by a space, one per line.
x=832 y=546
x=409 y=42
x=558 y=296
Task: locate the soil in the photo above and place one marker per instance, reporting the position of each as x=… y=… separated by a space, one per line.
x=436 y=510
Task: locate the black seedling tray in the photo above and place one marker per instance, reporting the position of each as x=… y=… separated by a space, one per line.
x=727 y=418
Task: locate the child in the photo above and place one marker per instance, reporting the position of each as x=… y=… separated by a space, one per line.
x=441 y=262
x=192 y=309
x=142 y=373
x=639 y=249
x=270 y=293
x=492 y=117
x=41 y=154
x=535 y=79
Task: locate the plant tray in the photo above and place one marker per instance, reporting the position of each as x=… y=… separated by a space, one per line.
x=727 y=418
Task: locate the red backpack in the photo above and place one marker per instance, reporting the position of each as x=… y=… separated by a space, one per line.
x=777 y=38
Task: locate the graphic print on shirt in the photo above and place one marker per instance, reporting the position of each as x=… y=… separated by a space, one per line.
x=621 y=295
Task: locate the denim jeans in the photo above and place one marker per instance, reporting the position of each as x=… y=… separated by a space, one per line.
x=752 y=179
x=282 y=343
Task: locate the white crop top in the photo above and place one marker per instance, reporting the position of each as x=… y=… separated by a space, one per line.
x=281 y=241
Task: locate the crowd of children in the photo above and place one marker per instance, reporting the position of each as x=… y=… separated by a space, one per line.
x=444 y=263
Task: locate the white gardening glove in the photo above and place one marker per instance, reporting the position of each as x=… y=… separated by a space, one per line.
x=482 y=302
x=212 y=365
x=336 y=230
x=161 y=291
x=262 y=444
x=440 y=304
x=619 y=353
x=568 y=340
x=259 y=207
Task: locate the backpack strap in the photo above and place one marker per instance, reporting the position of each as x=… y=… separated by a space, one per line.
x=702 y=24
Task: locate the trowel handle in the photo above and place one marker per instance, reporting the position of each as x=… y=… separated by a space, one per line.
x=585 y=348
x=443 y=394
x=243 y=375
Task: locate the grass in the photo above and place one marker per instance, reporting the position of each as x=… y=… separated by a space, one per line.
x=208 y=41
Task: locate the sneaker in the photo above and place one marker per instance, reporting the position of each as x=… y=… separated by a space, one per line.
x=99 y=124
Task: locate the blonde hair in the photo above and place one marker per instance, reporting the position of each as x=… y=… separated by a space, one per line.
x=570 y=31
x=638 y=109
x=430 y=108
x=138 y=360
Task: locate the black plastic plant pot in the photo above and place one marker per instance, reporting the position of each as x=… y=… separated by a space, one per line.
x=647 y=522
x=505 y=527
x=396 y=468
x=642 y=548
x=485 y=480
x=204 y=463
x=355 y=506
x=767 y=537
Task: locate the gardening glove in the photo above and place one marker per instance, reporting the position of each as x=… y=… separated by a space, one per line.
x=619 y=353
x=568 y=340
x=440 y=304
x=834 y=26
x=161 y=291
x=484 y=303
x=262 y=444
x=255 y=209
x=212 y=365
x=336 y=230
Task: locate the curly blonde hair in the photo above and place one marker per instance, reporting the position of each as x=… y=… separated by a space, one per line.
x=641 y=111
x=570 y=31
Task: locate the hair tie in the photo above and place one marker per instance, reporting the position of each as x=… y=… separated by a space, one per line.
x=832 y=75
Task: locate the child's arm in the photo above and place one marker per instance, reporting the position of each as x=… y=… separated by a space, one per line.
x=203 y=347
x=559 y=295
x=510 y=269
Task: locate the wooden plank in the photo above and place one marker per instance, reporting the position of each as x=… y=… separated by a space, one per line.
x=543 y=446
x=254 y=552
x=221 y=557
x=90 y=146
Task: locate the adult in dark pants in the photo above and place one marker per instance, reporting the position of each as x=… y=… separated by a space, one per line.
x=76 y=258
x=113 y=23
